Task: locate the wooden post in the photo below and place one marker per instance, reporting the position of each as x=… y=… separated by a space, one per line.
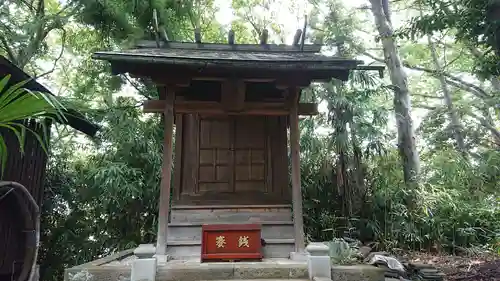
x=298 y=222
x=166 y=174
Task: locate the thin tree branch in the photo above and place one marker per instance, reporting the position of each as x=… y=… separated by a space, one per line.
x=487 y=125
x=137 y=87
x=454 y=60
x=63 y=46
x=29 y=5
x=477 y=89
x=428 y=96
x=455 y=81
x=373 y=57
x=465 y=88
x=425 y=106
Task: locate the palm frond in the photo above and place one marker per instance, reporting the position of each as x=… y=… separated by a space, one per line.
x=19 y=104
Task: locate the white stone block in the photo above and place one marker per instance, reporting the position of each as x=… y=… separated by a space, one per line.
x=143 y=270
x=319 y=266
x=318 y=261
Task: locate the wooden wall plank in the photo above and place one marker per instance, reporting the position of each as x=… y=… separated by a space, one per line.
x=191 y=154
x=164 y=205
x=296 y=184
x=178 y=171
x=269 y=155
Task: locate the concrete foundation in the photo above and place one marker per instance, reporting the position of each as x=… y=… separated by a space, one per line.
x=359 y=272
x=118 y=267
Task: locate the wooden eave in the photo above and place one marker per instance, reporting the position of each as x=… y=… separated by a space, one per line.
x=258 y=65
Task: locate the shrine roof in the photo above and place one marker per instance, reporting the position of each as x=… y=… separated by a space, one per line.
x=224 y=58
x=263 y=58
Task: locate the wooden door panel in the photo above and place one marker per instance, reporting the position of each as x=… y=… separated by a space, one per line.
x=223 y=156
x=215 y=156
x=206 y=156
x=233 y=155
x=215 y=133
x=250 y=173
x=250 y=132
x=246 y=156
x=233 y=160
x=250 y=154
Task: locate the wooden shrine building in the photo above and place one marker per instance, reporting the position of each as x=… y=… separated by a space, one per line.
x=232 y=105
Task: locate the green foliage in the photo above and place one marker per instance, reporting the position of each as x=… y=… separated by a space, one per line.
x=103 y=201
x=340 y=252
x=448 y=216
x=102 y=196
x=18 y=104
x=471 y=22
x=126 y=21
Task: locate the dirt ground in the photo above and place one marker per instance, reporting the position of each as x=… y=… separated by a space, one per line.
x=485 y=267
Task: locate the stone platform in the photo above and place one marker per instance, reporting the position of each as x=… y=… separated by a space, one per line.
x=118 y=268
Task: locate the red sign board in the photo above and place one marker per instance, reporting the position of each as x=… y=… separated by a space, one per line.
x=223 y=242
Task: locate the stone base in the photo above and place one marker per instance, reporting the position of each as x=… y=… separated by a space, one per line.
x=319 y=266
x=143 y=270
x=195 y=271
x=119 y=267
x=359 y=272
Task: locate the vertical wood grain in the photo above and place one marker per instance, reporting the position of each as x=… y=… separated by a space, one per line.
x=166 y=174
x=296 y=185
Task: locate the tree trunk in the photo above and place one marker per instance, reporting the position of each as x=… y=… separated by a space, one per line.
x=402 y=103
x=454 y=120
x=358 y=170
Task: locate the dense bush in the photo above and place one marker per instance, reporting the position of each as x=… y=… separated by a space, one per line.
x=458 y=205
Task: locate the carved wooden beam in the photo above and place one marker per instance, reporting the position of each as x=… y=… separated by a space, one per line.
x=216 y=108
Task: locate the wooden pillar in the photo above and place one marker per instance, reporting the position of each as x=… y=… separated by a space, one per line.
x=298 y=221
x=166 y=173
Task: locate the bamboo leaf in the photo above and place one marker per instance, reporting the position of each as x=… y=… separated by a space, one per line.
x=4 y=82
x=10 y=91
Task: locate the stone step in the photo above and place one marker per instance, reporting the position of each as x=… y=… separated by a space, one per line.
x=231 y=271
x=231 y=214
x=189 y=249
x=192 y=231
